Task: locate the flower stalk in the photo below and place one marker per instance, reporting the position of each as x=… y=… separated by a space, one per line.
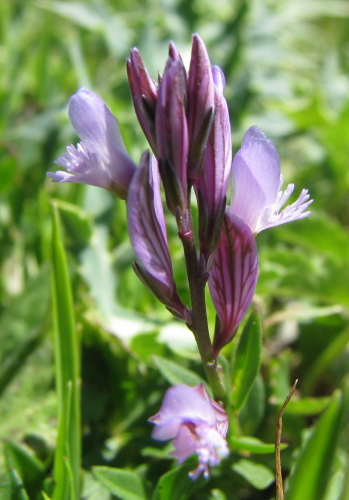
x=197 y=279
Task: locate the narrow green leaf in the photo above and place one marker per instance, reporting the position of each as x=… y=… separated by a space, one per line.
x=67 y=371
x=247 y=360
x=176 y=484
x=313 y=465
x=254 y=445
x=176 y=374
x=11 y=487
x=46 y=497
x=126 y=485
x=30 y=469
x=258 y=475
x=303 y=406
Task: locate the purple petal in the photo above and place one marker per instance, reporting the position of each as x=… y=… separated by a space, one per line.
x=144 y=95
x=211 y=185
x=218 y=78
x=201 y=104
x=147 y=230
x=256 y=177
x=197 y=423
x=146 y=224
x=233 y=277
x=101 y=158
x=182 y=404
x=172 y=133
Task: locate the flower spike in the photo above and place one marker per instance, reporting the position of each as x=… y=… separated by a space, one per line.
x=197 y=424
x=100 y=159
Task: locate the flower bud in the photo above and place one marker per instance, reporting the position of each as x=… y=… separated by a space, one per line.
x=172 y=135
x=144 y=96
x=147 y=230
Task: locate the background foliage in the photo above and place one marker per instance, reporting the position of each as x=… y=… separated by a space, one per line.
x=286 y=65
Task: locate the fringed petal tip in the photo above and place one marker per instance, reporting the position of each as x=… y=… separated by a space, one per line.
x=273 y=217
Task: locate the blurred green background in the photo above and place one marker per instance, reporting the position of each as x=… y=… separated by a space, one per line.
x=286 y=65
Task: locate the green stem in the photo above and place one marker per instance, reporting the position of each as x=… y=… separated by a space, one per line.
x=199 y=325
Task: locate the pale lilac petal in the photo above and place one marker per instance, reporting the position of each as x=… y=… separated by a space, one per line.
x=233 y=277
x=185 y=444
x=182 y=404
x=218 y=78
x=256 y=177
x=101 y=158
x=197 y=423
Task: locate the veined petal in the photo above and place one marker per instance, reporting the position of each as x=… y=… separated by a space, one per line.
x=101 y=158
x=146 y=225
x=172 y=134
x=256 y=177
x=233 y=278
x=211 y=185
x=200 y=109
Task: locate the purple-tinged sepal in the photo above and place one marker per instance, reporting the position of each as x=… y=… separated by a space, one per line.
x=172 y=134
x=144 y=95
x=197 y=424
x=146 y=226
x=256 y=195
x=201 y=105
x=233 y=278
x=211 y=185
x=100 y=159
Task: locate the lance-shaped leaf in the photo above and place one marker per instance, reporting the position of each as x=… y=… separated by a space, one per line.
x=172 y=134
x=201 y=104
x=100 y=159
x=144 y=96
x=146 y=225
x=233 y=278
x=211 y=185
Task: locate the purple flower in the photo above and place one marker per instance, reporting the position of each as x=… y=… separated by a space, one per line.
x=197 y=424
x=211 y=185
x=147 y=230
x=100 y=159
x=172 y=132
x=201 y=105
x=256 y=196
x=233 y=278
x=144 y=95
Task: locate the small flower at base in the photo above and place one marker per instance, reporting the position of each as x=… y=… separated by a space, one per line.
x=197 y=425
x=101 y=158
